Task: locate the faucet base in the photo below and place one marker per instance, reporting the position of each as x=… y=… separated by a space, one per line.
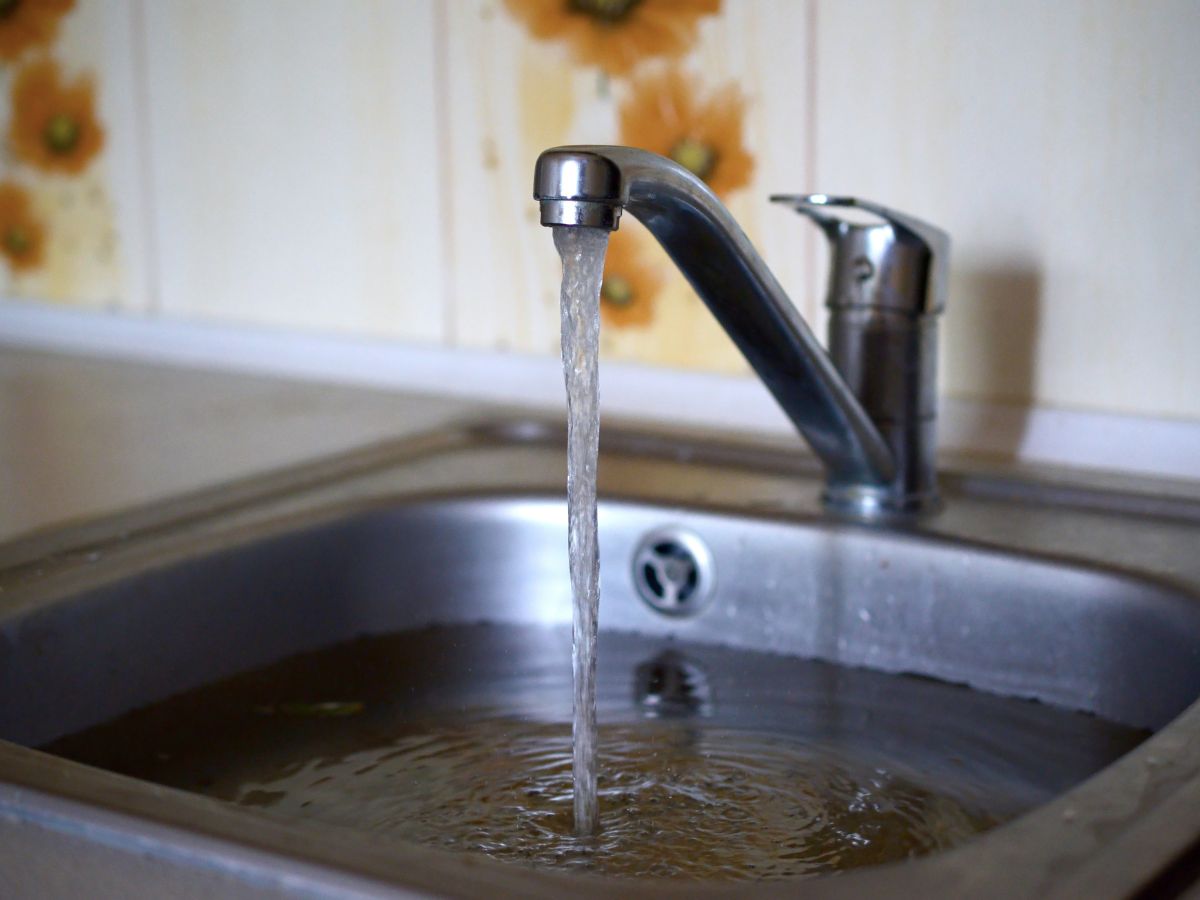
x=878 y=503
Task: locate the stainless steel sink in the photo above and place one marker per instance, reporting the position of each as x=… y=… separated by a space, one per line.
x=1075 y=591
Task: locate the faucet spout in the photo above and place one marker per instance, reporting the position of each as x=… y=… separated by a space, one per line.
x=591 y=185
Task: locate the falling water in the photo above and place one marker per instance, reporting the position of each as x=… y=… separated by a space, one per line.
x=582 y=251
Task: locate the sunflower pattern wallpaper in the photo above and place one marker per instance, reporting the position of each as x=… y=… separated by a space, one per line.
x=665 y=102
x=57 y=238
x=363 y=168
x=682 y=78
x=506 y=78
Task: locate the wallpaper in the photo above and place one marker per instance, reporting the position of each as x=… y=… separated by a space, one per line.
x=365 y=168
x=57 y=235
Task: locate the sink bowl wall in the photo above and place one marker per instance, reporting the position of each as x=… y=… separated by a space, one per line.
x=1083 y=638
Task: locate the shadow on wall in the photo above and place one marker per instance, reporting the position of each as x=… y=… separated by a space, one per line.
x=991 y=337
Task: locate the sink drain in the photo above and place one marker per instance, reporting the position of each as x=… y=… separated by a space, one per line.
x=673 y=571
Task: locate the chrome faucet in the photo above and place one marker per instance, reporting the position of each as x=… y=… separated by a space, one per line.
x=868 y=406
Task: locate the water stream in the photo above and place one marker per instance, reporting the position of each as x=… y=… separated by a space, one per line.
x=582 y=251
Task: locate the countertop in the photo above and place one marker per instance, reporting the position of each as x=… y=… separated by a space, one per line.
x=83 y=438
x=86 y=439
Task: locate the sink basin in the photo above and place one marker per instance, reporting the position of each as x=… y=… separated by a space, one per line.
x=1078 y=592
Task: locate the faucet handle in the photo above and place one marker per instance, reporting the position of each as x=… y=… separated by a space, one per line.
x=898 y=263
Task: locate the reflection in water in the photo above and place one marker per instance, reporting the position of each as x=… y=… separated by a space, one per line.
x=671 y=685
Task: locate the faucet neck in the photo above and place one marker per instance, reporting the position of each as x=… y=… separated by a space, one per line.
x=589 y=185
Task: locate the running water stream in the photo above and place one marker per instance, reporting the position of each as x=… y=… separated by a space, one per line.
x=582 y=251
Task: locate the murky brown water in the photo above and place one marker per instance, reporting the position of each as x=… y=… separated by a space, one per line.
x=714 y=763
x=674 y=800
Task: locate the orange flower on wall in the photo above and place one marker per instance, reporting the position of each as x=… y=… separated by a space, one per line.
x=631 y=284
x=615 y=34
x=22 y=238
x=29 y=23
x=54 y=125
x=665 y=113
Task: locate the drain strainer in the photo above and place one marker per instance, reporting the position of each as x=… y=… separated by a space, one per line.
x=673 y=571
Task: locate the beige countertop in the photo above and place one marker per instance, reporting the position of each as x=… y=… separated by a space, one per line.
x=86 y=439
x=83 y=438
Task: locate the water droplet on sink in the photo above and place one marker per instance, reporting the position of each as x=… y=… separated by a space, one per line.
x=864 y=616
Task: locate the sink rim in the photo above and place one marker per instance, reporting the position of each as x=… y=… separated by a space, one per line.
x=33 y=785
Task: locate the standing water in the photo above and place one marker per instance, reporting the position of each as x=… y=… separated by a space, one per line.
x=718 y=764
x=582 y=251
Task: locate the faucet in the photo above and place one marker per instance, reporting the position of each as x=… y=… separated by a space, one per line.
x=868 y=406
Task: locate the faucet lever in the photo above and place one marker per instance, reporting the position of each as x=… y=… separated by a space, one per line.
x=887 y=285
x=898 y=263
